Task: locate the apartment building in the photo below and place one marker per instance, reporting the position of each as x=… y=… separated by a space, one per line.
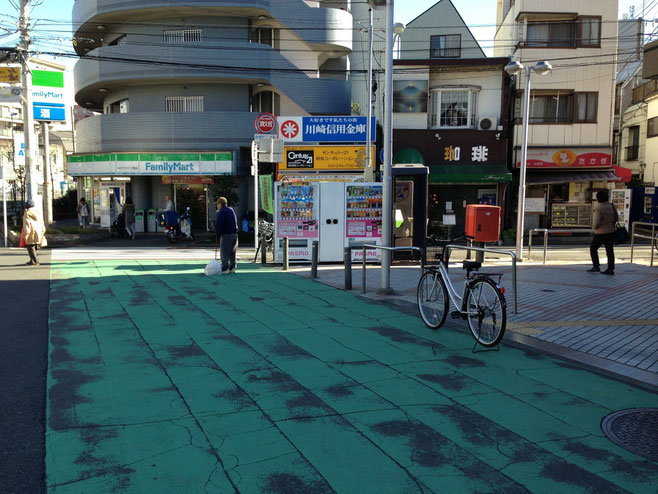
x=179 y=86
x=450 y=105
x=571 y=110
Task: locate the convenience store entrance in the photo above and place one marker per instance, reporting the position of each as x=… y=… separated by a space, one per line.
x=196 y=197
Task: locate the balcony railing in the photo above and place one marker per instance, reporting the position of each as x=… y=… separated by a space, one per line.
x=641 y=93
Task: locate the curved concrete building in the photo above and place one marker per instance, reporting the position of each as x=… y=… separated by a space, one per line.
x=178 y=87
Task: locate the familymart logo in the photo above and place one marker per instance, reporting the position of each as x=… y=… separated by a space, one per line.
x=167 y=167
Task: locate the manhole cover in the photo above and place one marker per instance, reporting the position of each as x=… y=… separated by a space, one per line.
x=634 y=430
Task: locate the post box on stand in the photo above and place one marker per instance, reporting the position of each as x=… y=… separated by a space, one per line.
x=483 y=222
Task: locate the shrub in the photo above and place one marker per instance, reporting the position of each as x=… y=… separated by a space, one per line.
x=66 y=206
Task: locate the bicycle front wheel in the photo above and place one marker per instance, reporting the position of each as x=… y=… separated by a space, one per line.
x=486 y=312
x=432 y=299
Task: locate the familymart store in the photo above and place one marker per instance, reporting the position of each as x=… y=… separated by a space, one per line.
x=105 y=180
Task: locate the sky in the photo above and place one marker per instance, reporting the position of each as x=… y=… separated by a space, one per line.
x=51 y=20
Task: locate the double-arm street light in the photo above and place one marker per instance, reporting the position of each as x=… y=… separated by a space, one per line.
x=514 y=68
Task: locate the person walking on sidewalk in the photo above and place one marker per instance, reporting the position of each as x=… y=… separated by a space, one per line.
x=83 y=213
x=605 y=217
x=129 y=217
x=34 y=232
x=226 y=229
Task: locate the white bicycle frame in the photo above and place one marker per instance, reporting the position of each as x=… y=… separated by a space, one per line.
x=456 y=300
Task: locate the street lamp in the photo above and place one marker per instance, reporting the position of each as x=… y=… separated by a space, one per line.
x=514 y=68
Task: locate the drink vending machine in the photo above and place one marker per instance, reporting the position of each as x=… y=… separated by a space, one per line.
x=295 y=217
x=337 y=214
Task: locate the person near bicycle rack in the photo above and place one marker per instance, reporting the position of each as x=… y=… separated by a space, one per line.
x=226 y=229
x=605 y=217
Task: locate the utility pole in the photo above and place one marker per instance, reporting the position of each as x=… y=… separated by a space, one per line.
x=26 y=97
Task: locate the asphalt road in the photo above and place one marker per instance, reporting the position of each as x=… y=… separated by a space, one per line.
x=23 y=360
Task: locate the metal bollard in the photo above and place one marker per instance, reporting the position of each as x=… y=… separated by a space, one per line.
x=263 y=247
x=314 y=259
x=286 y=242
x=363 y=272
x=347 y=257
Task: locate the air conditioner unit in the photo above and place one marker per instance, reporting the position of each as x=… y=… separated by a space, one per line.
x=487 y=123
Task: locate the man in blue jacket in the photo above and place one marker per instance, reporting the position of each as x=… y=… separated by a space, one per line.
x=226 y=228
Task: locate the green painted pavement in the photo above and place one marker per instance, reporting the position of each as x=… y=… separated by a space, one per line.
x=162 y=379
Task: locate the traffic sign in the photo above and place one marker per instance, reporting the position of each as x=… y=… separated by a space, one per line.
x=265 y=123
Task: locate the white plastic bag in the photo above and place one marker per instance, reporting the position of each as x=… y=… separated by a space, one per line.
x=213 y=267
x=186 y=228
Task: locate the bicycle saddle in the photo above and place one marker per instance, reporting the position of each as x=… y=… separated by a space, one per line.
x=470 y=265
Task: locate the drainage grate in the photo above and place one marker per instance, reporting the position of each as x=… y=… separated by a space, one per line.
x=634 y=430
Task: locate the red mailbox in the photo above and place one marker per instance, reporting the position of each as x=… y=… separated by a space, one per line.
x=483 y=222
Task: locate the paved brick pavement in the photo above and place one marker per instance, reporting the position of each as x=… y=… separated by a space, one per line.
x=610 y=322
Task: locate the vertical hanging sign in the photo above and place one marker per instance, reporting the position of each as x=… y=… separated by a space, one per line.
x=266 y=193
x=48 y=95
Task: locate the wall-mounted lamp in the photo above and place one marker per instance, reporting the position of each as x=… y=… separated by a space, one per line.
x=103 y=89
x=100 y=27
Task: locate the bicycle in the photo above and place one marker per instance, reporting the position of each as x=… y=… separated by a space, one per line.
x=482 y=302
x=266 y=228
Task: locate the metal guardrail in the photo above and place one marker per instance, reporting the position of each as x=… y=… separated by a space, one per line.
x=348 y=263
x=644 y=233
x=546 y=232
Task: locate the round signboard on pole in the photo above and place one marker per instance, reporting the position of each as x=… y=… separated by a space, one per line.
x=265 y=123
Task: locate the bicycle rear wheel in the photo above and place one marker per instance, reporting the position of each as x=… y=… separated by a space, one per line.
x=486 y=312
x=432 y=299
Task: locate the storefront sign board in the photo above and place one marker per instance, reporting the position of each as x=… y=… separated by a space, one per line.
x=568 y=158
x=330 y=158
x=326 y=129
x=151 y=164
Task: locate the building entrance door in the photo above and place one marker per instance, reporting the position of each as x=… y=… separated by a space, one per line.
x=196 y=197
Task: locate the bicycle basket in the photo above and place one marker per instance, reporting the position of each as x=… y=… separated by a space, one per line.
x=433 y=254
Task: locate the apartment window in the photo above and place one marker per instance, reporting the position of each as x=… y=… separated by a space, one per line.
x=263 y=35
x=121 y=106
x=453 y=108
x=652 y=127
x=266 y=101
x=586 y=106
x=182 y=36
x=445 y=46
x=551 y=108
x=184 y=104
x=633 y=148
x=551 y=34
x=589 y=31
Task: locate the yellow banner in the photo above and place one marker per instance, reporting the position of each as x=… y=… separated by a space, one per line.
x=308 y=158
x=10 y=74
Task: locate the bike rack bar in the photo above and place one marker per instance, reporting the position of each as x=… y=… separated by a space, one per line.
x=286 y=243
x=347 y=258
x=381 y=247
x=494 y=251
x=653 y=237
x=546 y=232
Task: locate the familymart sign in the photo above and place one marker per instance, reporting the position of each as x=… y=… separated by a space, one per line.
x=220 y=163
x=48 y=95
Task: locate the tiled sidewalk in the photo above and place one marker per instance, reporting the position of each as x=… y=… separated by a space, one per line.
x=610 y=322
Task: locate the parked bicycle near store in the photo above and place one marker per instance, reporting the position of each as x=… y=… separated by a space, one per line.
x=482 y=301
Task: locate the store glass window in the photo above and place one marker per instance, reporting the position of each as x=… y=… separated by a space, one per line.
x=453 y=108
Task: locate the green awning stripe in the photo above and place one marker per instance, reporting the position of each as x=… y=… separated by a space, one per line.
x=469 y=173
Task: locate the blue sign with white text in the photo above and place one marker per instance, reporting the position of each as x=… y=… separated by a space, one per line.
x=326 y=129
x=49 y=112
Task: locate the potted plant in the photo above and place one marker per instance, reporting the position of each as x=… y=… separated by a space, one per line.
x=509 y=236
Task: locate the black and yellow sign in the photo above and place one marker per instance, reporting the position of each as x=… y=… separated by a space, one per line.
x=307 y=158
x=10 y=74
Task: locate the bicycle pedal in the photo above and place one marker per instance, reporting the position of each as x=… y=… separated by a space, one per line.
x=455 y=314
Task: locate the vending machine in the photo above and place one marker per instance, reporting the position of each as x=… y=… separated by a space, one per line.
x=621 y=199
x=296 y=217
x=363 y=218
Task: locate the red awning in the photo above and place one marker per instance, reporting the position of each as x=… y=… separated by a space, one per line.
x=624 y=174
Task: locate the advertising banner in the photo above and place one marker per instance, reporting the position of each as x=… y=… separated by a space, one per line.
x=266 y=193
x=48 y=95
x=568 y=158
x=330 y=158
x=326 y=129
